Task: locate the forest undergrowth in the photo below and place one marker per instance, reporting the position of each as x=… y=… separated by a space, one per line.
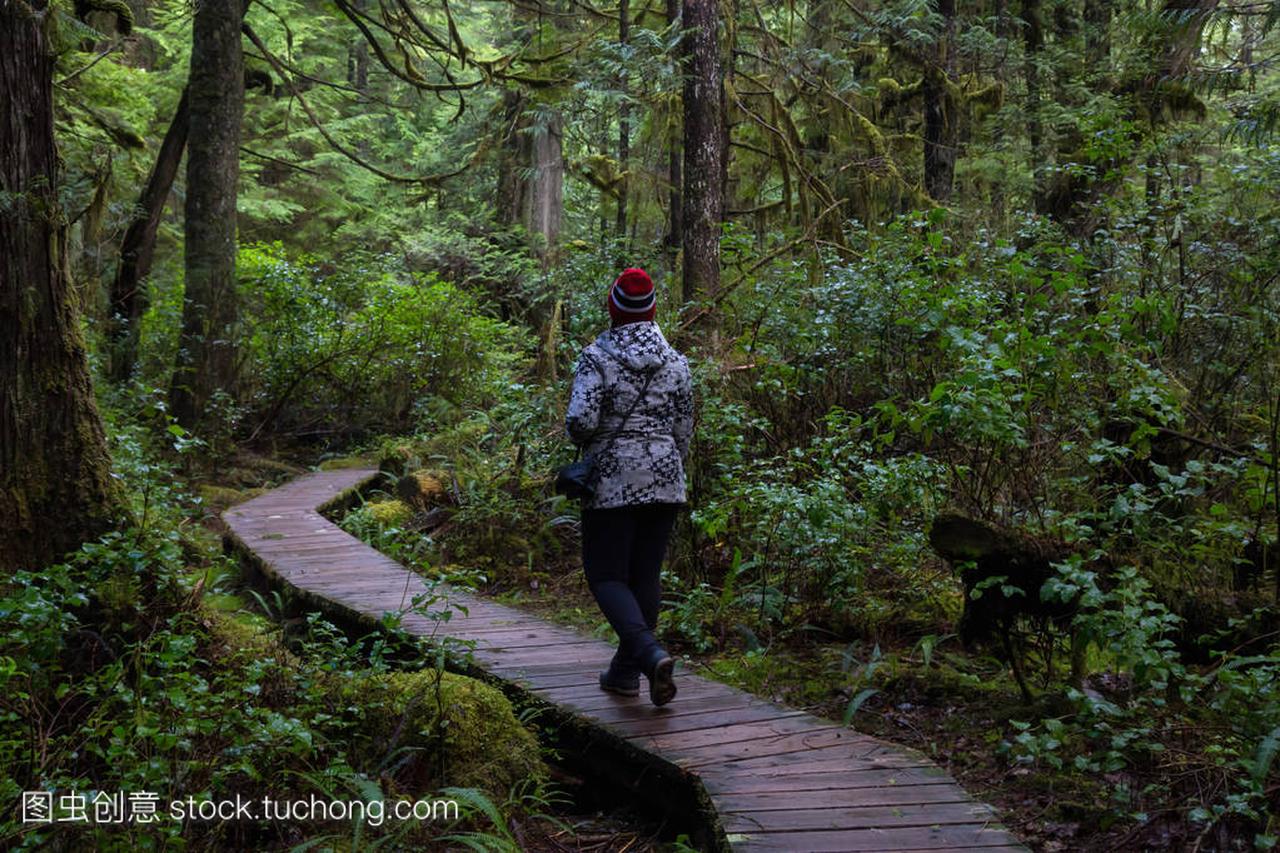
x=1005 y=379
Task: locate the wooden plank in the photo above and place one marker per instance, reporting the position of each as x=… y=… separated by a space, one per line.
x=348 y=584
x=840 y=800
x=580 y=650
x=726 y=781
x=525 y=638
x=788 y=732
x=498 y=627
x=344 y=589
x=477 y=625
x=678 y=727
x=693 y=696
x=903 y=840
x=533 y=671
x=861 y=817
x=465 y=619
x=587 y=655
x=790 y=747
x=841 y=747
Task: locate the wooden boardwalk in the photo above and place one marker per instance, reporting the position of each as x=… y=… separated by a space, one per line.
x=778 y=779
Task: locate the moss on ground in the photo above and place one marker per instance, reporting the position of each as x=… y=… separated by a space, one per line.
x=218 y=498
x=389 y=513
x=341 y=462
x=447 y=728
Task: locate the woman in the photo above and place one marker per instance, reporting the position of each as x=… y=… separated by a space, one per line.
x=631 y=411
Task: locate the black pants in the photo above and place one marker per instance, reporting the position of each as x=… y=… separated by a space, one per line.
x=622 y=552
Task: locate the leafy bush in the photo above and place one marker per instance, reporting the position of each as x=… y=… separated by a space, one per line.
x=361 y=346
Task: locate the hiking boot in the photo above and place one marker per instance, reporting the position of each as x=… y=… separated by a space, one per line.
x=661 y=673
x=623 y=685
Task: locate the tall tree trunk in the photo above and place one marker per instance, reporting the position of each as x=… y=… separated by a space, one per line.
x=531 y=172
x=703 y=147
x=206 y=348
x=139 y=245
x=1097 y=20
x=940 y=136
x=675 y=213
x=997 y=126
x=510 y=166
x=728 y=57
x=1033 y=41
x=56 y=490
x=543 y=207
x=358 y=58
x=624 y=123
x=1184 y=22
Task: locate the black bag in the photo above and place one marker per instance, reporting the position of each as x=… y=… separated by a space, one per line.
x=577 y=479
x=574 y=480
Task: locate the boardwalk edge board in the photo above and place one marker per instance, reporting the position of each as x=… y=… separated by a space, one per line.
x=743 y=791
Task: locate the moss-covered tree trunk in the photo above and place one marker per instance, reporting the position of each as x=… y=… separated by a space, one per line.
x=56 y=489
x=675 y=213
x=624 y=126
x=1097 y=19
x=215 y=89
x=1033 y=42
x=940 y=136
x=531 y=172
x=358 y=58
x=543 y=208
x=139 y=245
x=703 y=150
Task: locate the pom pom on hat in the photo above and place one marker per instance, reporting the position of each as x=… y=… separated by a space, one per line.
x=632 y=298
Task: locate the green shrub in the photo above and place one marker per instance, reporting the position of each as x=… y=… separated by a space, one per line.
x=363 y=345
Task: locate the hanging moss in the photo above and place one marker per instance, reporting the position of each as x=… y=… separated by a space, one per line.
x=892 y=91
x=873 y=135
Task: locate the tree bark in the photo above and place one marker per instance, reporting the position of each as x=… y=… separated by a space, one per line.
x=675 y=217
x=940 y=137
x=56 y=490
x=531 y=172
x=703 y=148
x=206 y=348
x=139 y=245
x=543 y=207
x=624 y=124
x=358 y=59
x=1033 y=41
x=510 y=166
x=1097 y=19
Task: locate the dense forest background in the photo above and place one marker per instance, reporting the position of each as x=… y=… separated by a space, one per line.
x=981 y=301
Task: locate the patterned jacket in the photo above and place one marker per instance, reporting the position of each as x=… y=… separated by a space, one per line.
x=645 y=464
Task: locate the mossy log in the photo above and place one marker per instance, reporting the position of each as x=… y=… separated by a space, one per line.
x=423 y=489
x=981 y=551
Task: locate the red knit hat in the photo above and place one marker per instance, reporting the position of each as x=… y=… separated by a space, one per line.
x=632 y=298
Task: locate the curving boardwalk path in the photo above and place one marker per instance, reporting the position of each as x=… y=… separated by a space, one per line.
x=778 y=779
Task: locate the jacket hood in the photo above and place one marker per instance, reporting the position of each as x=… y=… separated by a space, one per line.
x=638 y=345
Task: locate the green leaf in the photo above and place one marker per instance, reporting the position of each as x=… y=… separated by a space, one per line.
x=856 y=702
